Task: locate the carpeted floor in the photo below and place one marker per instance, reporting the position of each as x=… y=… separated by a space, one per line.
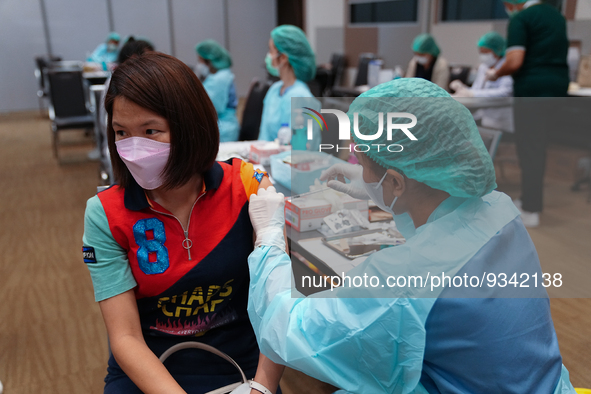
x=52 y=337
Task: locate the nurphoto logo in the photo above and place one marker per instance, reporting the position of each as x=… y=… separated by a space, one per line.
x=345 y=129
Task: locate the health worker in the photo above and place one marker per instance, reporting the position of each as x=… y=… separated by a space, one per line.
x=414 y=339
x=213 y=66
x=427 y=62
x=290 y=58
x=537 y=48
x=491 y=48
x=106 y=52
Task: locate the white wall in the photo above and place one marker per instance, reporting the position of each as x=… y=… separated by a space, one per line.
x=249 y=27
x=76 y=27
x=91 y=19
x=144 y=18
x=583 y=11
x=195 y=21
x=323 y=14
x=458 y=40
x=21 y=29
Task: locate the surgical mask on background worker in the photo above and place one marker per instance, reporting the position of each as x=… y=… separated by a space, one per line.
x=422 y=60
x=202 y=69
x=111 y=47
x=489 y=59
x=510 y=12
x=274 y=71
x=145 y=159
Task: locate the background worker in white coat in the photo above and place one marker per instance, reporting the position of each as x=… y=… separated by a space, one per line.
x=491 y=47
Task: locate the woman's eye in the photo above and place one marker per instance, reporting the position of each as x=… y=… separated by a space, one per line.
x=120 y=133
x=151 y=131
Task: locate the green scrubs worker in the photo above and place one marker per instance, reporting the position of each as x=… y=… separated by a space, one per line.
x=537 y=47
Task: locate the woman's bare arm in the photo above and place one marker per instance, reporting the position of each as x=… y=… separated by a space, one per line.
x=513 y=62
x=122 y=319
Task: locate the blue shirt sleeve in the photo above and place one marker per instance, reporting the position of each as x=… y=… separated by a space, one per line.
x=105 y=258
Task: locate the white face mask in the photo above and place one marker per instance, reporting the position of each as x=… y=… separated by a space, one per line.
x=488 y=59
x=202 y=70
x=404 y=222
x=145 y=159
x=111 y=47
x=422 y=60
x=376 y=193
x=510 y=12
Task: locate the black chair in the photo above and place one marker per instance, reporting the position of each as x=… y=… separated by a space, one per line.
x=338 y=63
x=362 y=68
x=460 y=72
x=361 y=78
x=253 y=110
x=41 y=64
x=69 y=105
x=327 y=78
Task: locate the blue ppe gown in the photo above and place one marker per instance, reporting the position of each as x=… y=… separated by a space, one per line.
x=101 y=55
x=277 y=109
x=418 y=339
x=222 y=92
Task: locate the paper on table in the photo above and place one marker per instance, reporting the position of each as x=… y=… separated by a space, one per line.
x=335 y=261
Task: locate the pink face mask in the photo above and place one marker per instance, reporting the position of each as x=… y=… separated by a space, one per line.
x=145 y=159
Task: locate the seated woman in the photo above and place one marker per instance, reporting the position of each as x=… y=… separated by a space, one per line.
x=492 y=55
x=423 y=336
x=291 y=59
x=106 y=52
x=428 y=62
x=167 y=246
x=213 y=64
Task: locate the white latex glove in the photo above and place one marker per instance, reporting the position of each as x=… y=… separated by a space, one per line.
x=266 y=210
x=457 y=85
x=463 y=93
x=336 y=179
x=491 y=74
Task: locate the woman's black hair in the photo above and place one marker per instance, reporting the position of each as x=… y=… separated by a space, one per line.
x=133 y=47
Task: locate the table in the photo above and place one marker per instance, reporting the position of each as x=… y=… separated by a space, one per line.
x=475 y=103
x=96 y=77
x=581 y=92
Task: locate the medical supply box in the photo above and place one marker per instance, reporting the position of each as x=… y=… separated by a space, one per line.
x=261 y=154
x=297 y=170
x=306 y=214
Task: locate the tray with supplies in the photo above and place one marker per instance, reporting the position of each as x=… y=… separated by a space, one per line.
x=364 y=242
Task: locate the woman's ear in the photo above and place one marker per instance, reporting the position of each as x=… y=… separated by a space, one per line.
x=396 y=181
x=282 y=59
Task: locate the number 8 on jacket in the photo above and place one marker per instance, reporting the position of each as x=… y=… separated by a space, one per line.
x=148 y=246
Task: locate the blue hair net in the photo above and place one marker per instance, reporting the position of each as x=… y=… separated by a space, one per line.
x=493 y=41
x=113 y=36
x=425 y=43
x=215 y=53
x=292 y=41
x=449 y=153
